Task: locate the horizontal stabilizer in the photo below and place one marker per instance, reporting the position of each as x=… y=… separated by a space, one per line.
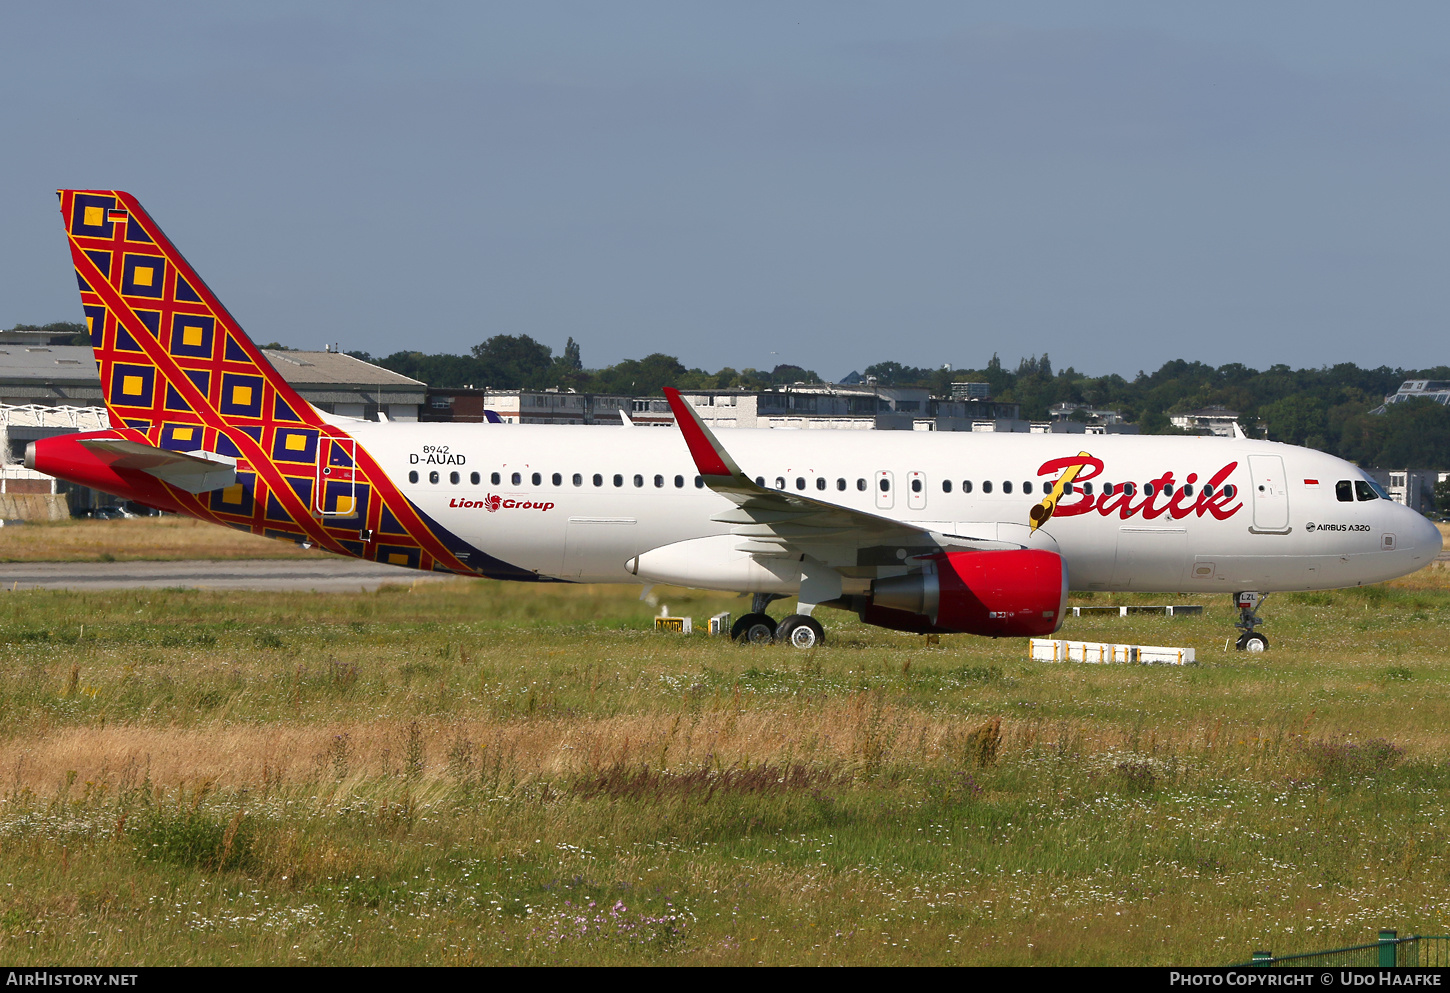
x=194 y=472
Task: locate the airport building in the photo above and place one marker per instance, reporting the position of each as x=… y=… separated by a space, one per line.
x=36 y=369
x=1417 y=389
x=1413 y=488
x=49 y=386
x=802 y=406
x=552 y=406
x=1217 y=421
x=852 y=407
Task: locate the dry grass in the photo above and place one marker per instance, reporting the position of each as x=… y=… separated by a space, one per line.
x=479 y=773
x=135 y=539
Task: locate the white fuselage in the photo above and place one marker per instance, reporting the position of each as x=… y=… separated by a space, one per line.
x=566 y=526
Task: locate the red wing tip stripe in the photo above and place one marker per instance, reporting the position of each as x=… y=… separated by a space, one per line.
x=1311 y=482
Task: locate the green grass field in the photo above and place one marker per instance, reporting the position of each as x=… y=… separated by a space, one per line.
x=473 y=772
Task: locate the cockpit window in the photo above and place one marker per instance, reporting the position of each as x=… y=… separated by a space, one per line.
x=1364 y=490
x=1344 y=491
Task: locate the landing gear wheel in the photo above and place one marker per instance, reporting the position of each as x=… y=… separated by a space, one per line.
x=1254 y=642
x=753 y=629
x=1248 y=604
x=800 y=631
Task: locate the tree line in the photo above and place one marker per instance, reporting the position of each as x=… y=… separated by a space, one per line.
x=1326 y=408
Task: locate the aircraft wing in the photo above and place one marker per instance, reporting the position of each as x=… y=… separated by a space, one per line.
x=194 y=472
x=775 y=522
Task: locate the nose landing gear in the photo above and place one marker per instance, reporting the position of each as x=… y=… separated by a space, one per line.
x=1248 y=604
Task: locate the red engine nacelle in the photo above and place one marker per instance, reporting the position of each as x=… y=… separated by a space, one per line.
x=1017 y=593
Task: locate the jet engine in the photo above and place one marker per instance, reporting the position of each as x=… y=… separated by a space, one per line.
x=1014 y=593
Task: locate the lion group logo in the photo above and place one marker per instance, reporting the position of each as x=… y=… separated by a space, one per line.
x=491 y=503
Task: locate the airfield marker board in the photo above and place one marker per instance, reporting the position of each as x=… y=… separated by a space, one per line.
x=1053 y=650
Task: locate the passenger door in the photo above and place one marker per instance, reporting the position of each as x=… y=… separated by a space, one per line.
x=1270 y=494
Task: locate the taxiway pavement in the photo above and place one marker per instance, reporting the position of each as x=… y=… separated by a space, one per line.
x=323 y=575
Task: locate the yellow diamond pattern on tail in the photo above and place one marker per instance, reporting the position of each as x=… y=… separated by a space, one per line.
x=178 y=372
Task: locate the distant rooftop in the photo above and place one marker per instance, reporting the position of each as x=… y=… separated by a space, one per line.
x=330 y=368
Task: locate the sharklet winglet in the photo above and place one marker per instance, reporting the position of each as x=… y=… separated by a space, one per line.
x=710 y=456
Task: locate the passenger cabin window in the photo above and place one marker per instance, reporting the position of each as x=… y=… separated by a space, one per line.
x=433 y=476
x=453 y=478
x=820 y=482
x=1188 y=489
x=780 y=482
x=537 y=479
x=699 y=482
x=474 y=478
x=966 y=486
x=517 y=479
x=885 y=485
x=916 y=485
x=638 y=480
x=1167 y=489
x=659 y=481
x=800 y=482
x=598 y=479
x=1006 y=486
x=946 y=485
x=1027 y=487
x=1067 y=489
x=679 y=482
x=840 y=484
x=578 y=479
x=413 y=476
x=1364 y=491
x=861 y=484
x=493 y=478
x=986 y=486
x=618 y=479
x=1344 y=491
x=1130 y=488
x=1107 y=489
x=558 y=480
x=1230 y=489
x=1147 y=489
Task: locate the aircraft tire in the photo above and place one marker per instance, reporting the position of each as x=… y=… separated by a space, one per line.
x=1254 y=643
x=800 y=631
x=753 y=629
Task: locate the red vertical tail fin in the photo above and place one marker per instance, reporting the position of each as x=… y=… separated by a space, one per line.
x=178 y=373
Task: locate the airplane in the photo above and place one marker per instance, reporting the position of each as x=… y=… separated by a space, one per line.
x=926 y=532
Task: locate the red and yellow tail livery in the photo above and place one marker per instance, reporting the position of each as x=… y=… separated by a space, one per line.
x=194 y=402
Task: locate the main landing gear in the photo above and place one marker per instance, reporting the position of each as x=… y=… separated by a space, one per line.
x=757 y=627
x=1248 y=604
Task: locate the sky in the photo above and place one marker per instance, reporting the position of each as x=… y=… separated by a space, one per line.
x=826 y=184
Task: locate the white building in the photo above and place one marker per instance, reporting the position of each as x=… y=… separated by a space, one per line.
x=1413 y=488
x=1065 y=412
x=851 y=407
x=1417 y=389
x=1217 y=421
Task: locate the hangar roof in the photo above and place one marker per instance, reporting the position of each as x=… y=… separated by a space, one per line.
x=73 y=368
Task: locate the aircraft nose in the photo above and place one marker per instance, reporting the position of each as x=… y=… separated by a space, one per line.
x=1425 y=538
